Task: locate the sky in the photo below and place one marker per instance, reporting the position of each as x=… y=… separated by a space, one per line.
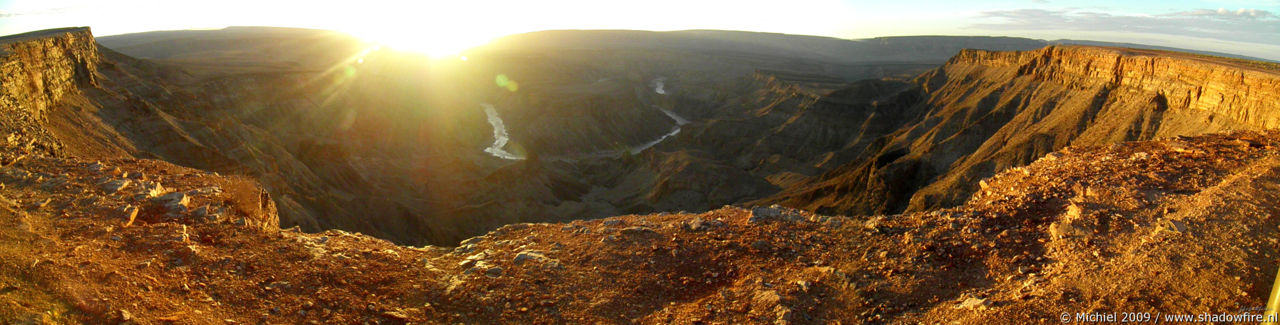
x=1247 y=27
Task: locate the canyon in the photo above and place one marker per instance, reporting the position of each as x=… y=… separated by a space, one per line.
x=285 y=174
x=415 y=174
x=763 y=122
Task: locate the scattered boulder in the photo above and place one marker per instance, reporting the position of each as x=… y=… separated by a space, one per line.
x=874 y=223
x=175 y=202
x=1071 y=224
x=637 y=231
x=113 y=186
x=206 y=190
x=784 y=315
x=130 y=213
x=1174 y=226
x=41 y=203
x=974 y=303
x=803 y=285
x=395 y=315
x=829 y=221
x=1074 y=211
x=1064 y=229
x=537 y=257
x=766 y=298
x=205 y=212
x=463 y=249
x=485 y=268
x=184 y=254
x=695 y=225
x=493 y=272
x=152 y=189
x=774 y=212
x=521 y=257
x=471 y=260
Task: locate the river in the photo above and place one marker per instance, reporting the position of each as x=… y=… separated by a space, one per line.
x=500 y=136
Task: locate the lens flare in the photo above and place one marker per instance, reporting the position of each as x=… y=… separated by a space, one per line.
x=505 y=82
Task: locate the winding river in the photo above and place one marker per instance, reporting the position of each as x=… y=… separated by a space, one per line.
x=500 y=136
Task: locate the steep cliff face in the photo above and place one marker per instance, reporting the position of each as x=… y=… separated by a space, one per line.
x=1244 y=91
x=989 y=111
x=37 y=70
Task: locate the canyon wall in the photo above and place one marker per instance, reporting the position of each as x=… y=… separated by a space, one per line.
x=1245 y=91
x=37 y=70
x=989 y=111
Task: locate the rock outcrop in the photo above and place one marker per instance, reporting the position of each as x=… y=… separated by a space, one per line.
x=989 y=111
x=37 y=70
x=1241 y=90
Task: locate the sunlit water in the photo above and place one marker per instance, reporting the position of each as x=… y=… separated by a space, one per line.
x=658 y=85
x=679 y=120
x=658 y=88
x=650 y=144
x=500 y=136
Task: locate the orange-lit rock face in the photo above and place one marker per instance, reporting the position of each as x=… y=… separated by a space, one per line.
x=1241 y=90
x=37 y=69
x=989 y=111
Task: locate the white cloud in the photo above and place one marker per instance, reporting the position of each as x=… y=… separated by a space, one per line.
x=1241 y=25
x=1223 y=13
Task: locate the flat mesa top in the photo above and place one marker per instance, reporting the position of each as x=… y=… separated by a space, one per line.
x=1259 y=66
x=15 y=38
x=39 y=34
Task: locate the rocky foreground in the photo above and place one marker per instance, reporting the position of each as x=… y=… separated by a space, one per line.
x=1182 y=225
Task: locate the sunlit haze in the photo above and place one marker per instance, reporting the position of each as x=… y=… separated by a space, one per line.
x=1248 y=27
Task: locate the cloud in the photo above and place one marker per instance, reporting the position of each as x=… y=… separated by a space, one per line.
x=1243 y=25
x=1223 y=13
x=48 y=11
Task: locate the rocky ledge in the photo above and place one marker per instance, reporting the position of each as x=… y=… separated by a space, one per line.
x=1189 y=220
x=38 y=69
x=1240 y=89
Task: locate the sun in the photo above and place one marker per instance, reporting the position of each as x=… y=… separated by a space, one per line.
x=446 y=46
x=436 y=28
x=436 y=45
